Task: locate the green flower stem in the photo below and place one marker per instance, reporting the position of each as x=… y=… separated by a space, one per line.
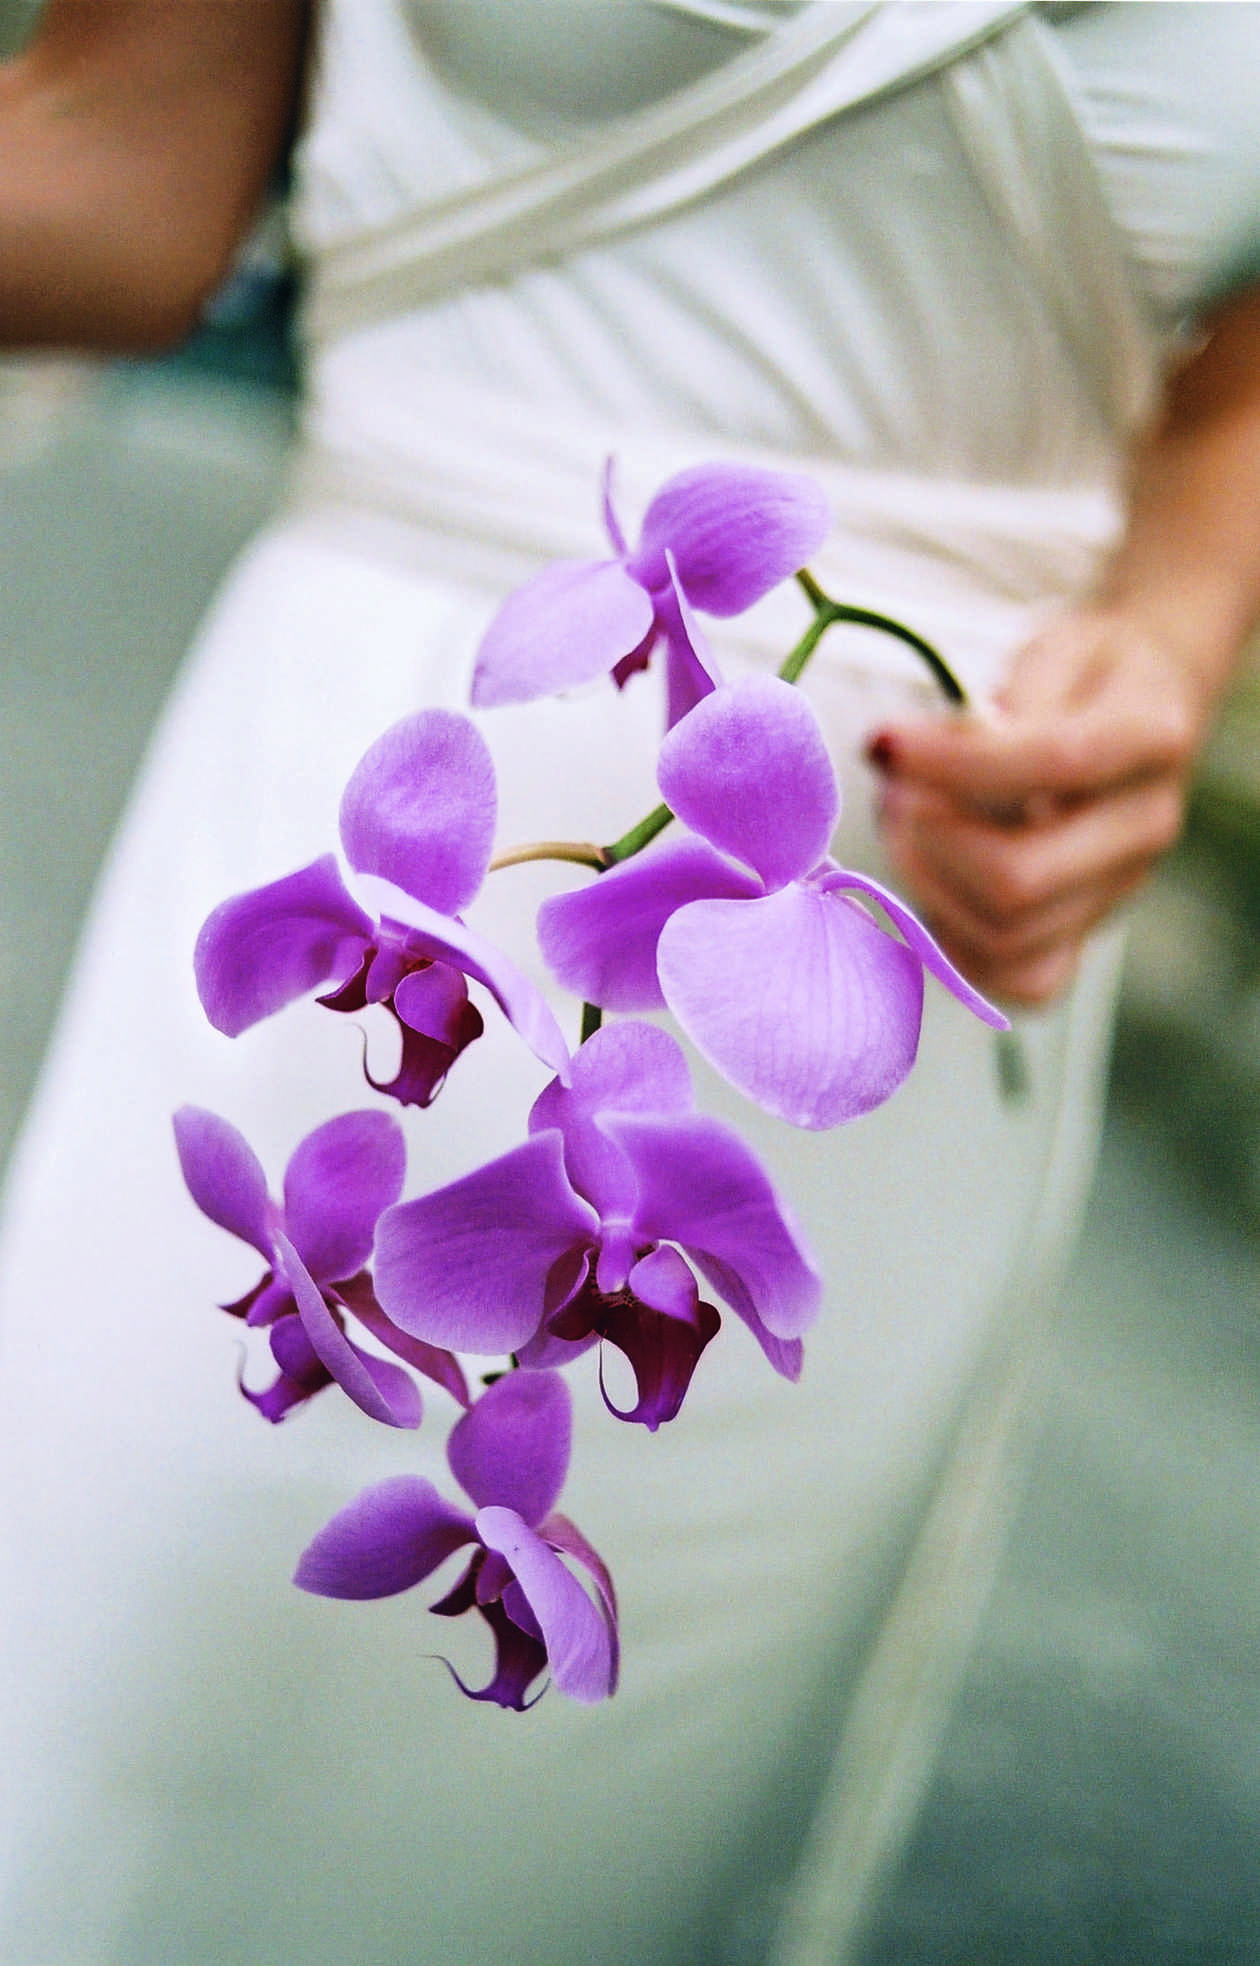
x=827 y=612
x=592 y=1018
x=638 y=837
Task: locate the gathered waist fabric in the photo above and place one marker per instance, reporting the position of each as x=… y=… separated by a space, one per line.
x=464 y=485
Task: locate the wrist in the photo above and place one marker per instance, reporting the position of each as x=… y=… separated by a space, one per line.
x=1190 y=642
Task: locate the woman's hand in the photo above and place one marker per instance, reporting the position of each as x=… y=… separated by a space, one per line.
x=1020 y=830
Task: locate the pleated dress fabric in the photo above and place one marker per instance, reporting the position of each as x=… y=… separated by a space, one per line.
x=869 y=242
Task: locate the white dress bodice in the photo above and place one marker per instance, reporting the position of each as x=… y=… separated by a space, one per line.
x=872 y=239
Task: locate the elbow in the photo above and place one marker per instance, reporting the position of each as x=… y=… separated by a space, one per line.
x=156 y=318
x=157 y=291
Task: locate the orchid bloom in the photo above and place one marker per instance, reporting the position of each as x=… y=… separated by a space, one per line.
x=315 y=1245
x=510 y=1453
x=417 y=824
x=748 y=931
x=717 y=538
x=571 y=1237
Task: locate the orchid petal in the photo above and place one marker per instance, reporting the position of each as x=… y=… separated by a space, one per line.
x=492 y=1578
x=269 y=1300
x=749 y=771
x=786 y=1355
x=616 y=1255
x=612 y=524
x=224 y=1176
x=798 y=999
x=443 y=940
x=925 y=947
x=663 y=1353
x=302 y=1372
x=441 y=1366
x=735 y=531
x=436 y=1022
x=262 y=950
x=578 y=1641
x=600 y=941
x=381 y=1390
x=384 y=972
x=462 y=1596
x=395 y=1389
x=662 y=1281
x=626 y=1068
x=352 y=995
x=567 y=1329
x=638 y=659
x=513 y=1445
x=337 y=1183
x=700 y=1186
x=466 y=1267
x=566 y=1538
x=420 y=809
x=389 y=1538
x=433 y=1002
x=424 y=1062
x=546 y=1352
x=569 y=624
x=691 y=672
x=294 y=1352
x=687 y=681
x=519 y=1657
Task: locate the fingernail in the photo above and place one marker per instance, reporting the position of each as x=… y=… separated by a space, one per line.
x=881 y=751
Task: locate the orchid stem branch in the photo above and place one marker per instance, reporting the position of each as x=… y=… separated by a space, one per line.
x=584 y=853
x=827 y=612
x=638 y=837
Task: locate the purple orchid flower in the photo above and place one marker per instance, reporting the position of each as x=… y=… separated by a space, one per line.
x=315 y=1246
x=717 y=537
x=417 y=824
x=576 y=1235
x=510 y=1454
x=748 y=931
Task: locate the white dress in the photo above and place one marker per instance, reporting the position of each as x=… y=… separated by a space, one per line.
x=870 y=242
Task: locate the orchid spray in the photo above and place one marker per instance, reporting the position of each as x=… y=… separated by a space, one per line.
x=623 y=1212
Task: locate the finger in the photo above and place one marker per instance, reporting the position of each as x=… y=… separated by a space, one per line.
x=1107 y=746
x=1033 y=984
x=986 y=943
x=1010 y=967
x=1007 y=876
x=1026 y=964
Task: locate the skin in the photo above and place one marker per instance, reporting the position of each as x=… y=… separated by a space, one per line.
x=1021 y=831
x=137 y=138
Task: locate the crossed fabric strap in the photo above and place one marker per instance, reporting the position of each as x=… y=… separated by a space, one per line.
x=1007 y=95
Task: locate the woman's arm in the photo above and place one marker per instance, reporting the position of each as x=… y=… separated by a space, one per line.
x=1020 y=833
x=136 y=141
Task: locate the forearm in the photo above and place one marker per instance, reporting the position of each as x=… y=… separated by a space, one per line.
x=136 y=140
x=1021 y=832
x=1188 y=567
